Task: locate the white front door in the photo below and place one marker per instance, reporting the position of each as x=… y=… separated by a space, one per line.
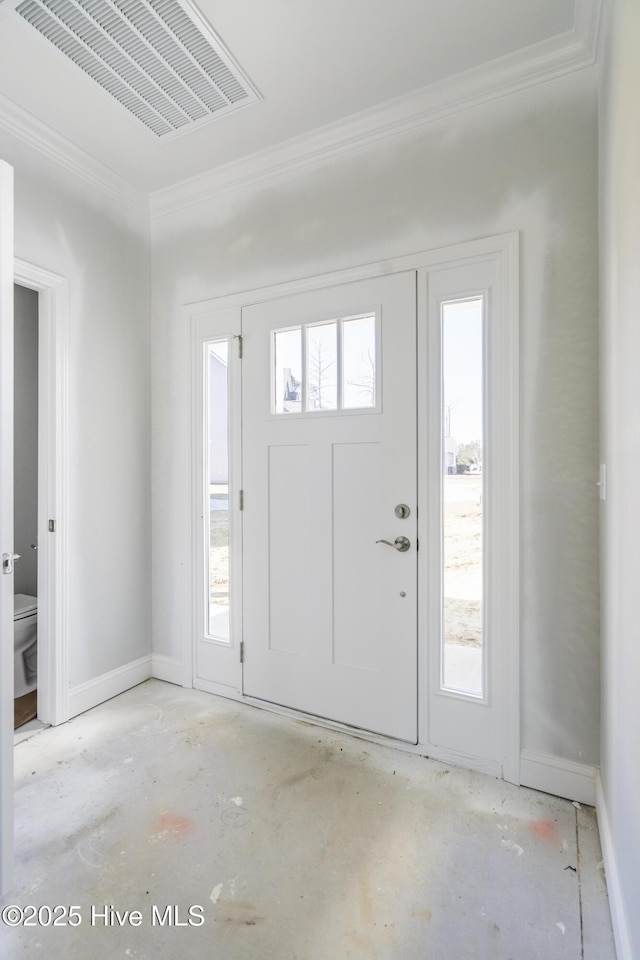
x=6 y=525
x=329 y=474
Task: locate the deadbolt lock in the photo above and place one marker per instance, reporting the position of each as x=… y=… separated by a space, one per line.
x=402 y=511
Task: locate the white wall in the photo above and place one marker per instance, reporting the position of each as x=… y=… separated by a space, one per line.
x=25 y=458
x=525 y=163
x=620 y=251
x=66 y=226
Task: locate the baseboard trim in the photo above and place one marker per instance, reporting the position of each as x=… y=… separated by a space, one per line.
x=167 y=668
x=560 y=777
x=619 y=916
x=108 y=685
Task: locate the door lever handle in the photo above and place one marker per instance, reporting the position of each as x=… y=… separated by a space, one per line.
x=401 y=544
x=8 y=560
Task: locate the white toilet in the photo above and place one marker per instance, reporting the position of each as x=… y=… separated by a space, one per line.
x=25 y=644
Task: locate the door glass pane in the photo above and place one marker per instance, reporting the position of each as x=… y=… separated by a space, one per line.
x=287 y=368
x=322 y=367
x=462 y=449
x=217 y=487
x=359 y=363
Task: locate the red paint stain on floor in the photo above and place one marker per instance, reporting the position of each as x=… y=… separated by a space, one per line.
x=172 y=825
x=547 y=830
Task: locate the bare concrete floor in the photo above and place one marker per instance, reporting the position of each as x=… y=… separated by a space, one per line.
x=288 y=842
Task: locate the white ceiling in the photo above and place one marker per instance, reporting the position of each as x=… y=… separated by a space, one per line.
x=314 y=62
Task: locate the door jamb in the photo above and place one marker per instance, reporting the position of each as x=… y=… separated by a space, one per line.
x=53 y=483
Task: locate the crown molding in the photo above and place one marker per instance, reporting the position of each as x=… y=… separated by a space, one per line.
x=47 y=141
x=539 y=63
x=558 y=57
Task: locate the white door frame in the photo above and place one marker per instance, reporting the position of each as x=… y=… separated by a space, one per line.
x=504 y=251
x=53 y=484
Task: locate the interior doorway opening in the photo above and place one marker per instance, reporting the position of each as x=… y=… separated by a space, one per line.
x=48 y=292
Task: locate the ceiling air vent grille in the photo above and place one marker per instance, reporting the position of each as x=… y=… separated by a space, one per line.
x=158 y=58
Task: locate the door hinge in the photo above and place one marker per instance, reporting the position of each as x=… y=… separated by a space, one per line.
x=52 y=526
x=242 y=651
x=238 y=337
x=241 y=499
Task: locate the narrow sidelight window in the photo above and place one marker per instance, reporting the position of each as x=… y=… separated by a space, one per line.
x=217 y=486
x=463 y=648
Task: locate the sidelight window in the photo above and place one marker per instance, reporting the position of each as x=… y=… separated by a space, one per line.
x=462 y=499
x=217 y=486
